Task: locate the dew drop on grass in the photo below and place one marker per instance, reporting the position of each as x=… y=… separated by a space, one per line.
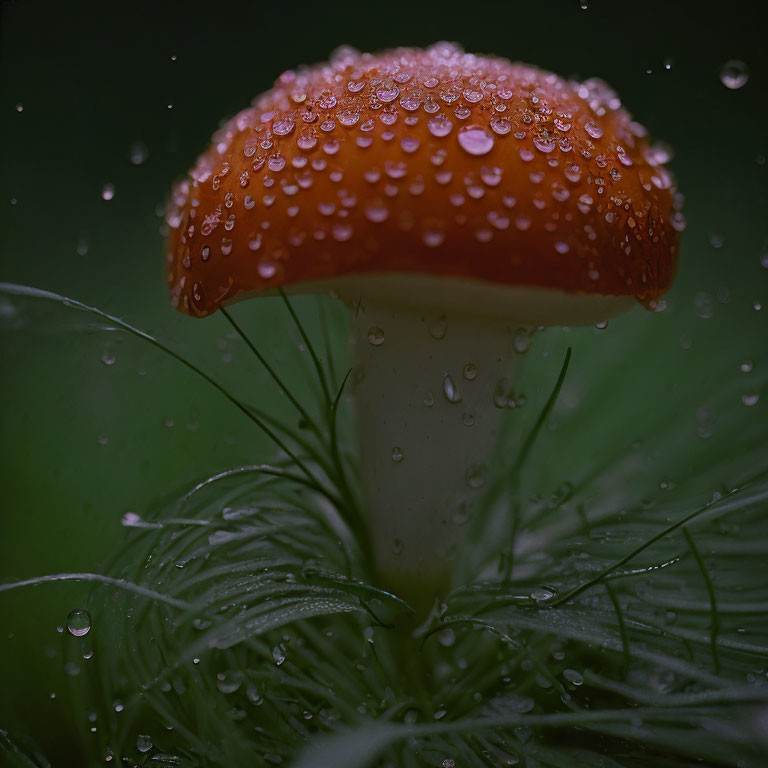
x=543 y=594
x=278 y=654
x=78 y=622
x=448 y=763
x=573 y=677
x=397 y=454
x=447 y=638
x=750 y=400
x=734 y=74
x=143 y=742
x=375 y=336
x=108 y=192
x=108 y=358
x=228 y=682
x=470 y=371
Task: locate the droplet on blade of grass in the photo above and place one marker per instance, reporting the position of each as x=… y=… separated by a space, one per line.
x=78 y=622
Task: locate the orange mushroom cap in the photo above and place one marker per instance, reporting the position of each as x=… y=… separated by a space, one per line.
x=432 y=162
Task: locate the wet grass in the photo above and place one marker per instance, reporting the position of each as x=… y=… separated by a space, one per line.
x=626 y=626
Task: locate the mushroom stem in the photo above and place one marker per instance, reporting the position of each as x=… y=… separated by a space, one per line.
x=429 y=392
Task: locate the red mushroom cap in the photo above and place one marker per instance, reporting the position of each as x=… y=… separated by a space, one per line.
x=430 y=162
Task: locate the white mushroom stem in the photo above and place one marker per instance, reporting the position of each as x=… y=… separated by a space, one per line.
x=429 y=391
x=434 y=372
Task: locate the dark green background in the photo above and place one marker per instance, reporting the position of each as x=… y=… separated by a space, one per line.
x=94 y=79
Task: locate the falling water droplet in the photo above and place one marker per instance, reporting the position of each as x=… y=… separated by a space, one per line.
x=139 y=153
x=734 y=74
x=78 y=622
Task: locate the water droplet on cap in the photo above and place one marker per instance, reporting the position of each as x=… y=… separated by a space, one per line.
x=475 y=140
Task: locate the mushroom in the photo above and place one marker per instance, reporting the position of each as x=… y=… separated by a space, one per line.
x=450 y=199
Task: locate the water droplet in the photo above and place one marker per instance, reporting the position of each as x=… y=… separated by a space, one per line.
x=108 y=192
x=750 y=400
x=439 y=125
x=476 y=476
x=500 y=125
x=387 y=91
x=228 y=682
x=108 y=358
x=139 y=153
x=470 y=371
x=433 y=236
x=543 y=594
x=450 y=390
x=475 y=140
x=409 y=144
x=734 y=74
x=375 y=336
x=143 y=742
x=573 y=677
x=593 y=129
x=397 y=454
x=448 y=762
x=278 y=654
x=78 y=622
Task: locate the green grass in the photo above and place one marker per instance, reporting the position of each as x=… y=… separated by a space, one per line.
x=609 y=610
